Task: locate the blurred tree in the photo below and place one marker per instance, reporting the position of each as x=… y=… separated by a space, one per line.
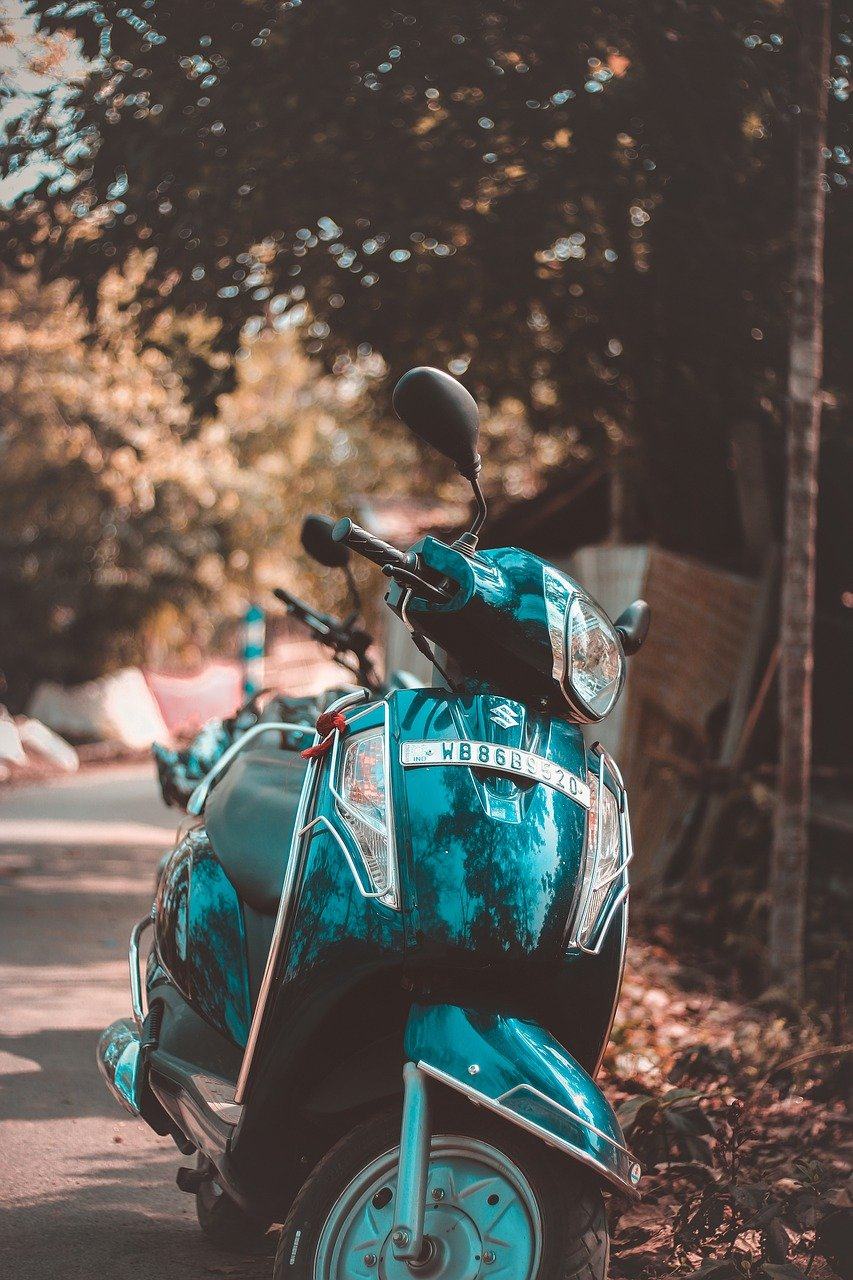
x=109 y=515
x=587 y=208
x=789 y=864
x=124 y=521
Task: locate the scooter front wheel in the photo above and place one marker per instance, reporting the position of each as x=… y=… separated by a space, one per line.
x=498 y=1203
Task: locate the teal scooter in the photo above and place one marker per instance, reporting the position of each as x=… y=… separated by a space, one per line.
x=385 y=968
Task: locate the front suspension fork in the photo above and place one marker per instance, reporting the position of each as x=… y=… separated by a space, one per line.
x=407 y=1238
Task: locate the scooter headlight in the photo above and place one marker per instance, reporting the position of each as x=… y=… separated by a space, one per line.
x=602 y=859
x=594 y=662
x=363 y=807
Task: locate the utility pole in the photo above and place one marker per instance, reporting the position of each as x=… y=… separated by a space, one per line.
x=790 y=853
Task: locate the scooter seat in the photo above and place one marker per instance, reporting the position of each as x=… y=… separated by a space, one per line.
x=250 y=816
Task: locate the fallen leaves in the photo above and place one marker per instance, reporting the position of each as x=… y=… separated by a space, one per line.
x=738 y=1117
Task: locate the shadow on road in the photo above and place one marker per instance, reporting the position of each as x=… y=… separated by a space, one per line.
x=48 y=1084
x=100 y=1229
x=86 y=1191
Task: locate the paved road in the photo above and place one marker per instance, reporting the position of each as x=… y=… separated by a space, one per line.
x=85 y=1191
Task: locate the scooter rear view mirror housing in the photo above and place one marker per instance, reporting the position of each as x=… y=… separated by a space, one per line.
x=316 y=538
x=438 y=410
x=441 y=412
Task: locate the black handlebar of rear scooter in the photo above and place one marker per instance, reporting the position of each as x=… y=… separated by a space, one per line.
x=339 y=636
x=312 y=617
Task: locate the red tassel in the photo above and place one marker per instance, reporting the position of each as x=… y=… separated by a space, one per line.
x=327 y=722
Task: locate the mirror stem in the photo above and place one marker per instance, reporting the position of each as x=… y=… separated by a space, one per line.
x=467 y=542
x=482 y=509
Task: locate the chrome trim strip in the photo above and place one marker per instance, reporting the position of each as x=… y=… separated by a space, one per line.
x=133 y=962
x=391 y=894
x=393 y=861
x=284 y=904
x=617 y=991
x=322 y=820
x=482 y=1100
x=285 y=901
x=572 y=1115
x=614 y=906
x=580 y=914
x=197 y=800
x=627 y=852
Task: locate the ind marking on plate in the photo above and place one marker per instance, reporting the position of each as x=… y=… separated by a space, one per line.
x=486 y=755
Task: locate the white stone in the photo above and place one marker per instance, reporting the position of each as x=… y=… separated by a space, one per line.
x=118 y=708
x=37 y=739
x=11 y=751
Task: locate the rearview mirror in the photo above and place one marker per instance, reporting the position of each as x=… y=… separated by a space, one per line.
x=438 y=410
x=316 y=538
x=632 y=626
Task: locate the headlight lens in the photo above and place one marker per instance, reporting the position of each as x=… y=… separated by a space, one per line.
x=365 y=811
x=595 y=665
x=594 y=891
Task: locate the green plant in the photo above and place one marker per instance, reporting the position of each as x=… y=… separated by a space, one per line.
x=671 y=1124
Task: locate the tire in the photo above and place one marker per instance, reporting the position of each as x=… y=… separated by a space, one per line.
x=325 y=1235
x=227 y=1225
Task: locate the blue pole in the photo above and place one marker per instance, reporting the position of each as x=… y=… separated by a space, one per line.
x=254 y=645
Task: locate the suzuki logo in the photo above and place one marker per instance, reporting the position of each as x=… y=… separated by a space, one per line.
x=505 y=716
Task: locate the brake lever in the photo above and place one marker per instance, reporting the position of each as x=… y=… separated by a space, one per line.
x=411 y=580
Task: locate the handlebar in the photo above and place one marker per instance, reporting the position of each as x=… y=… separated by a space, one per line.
x=365 y=544
x=310 y=616
x=399 y=565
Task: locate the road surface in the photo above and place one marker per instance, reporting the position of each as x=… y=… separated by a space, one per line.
x=86 y=1192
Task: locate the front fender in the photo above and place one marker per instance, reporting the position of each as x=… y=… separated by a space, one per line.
x=517 y=1069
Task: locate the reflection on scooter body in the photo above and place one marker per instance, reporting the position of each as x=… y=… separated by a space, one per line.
x=424 y=911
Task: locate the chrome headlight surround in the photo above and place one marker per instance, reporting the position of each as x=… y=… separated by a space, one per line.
x=594 y=664
x=363 y=803
x=588 y=659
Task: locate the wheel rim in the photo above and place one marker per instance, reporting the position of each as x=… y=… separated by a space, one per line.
x=481 y=1219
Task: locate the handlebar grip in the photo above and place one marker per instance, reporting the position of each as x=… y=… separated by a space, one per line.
x=364 y=543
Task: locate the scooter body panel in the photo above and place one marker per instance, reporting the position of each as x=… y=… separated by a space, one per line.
x=489 y=874
x=517 y=1069
x=200 y=936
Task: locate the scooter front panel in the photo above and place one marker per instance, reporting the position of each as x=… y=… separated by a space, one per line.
x=491 y=857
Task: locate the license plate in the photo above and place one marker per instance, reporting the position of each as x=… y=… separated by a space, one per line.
x=487 y=755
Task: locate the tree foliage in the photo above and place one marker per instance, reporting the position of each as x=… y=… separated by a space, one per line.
x=585 y=207
x=127 y=525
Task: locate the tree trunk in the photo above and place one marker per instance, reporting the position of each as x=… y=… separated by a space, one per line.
x=789 y=861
